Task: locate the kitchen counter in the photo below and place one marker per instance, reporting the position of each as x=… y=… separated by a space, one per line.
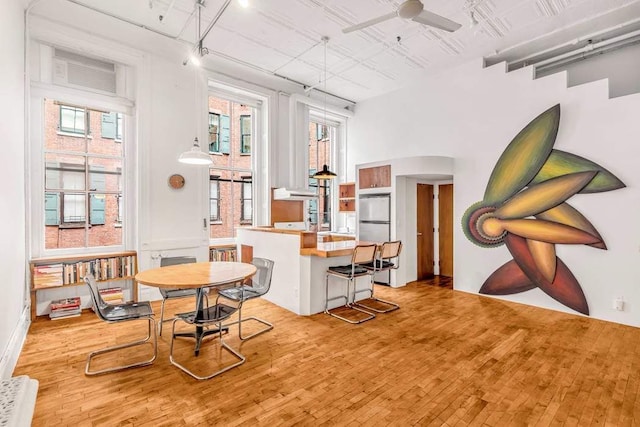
x=301 y=263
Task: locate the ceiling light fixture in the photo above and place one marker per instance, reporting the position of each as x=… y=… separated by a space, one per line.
x=195 y=156
x=325 y=173
x=198 y=50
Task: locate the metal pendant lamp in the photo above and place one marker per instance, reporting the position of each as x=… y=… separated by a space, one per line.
x=195 y=156
x=325 y=173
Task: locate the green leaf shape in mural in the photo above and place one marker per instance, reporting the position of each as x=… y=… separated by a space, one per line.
x=562 y=163
x=524 y=156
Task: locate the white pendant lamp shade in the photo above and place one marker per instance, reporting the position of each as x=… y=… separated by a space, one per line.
x=195 y=156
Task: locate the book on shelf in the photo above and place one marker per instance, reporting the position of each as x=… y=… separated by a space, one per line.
x=65 y=303
x=112 y=295
x=48 y=275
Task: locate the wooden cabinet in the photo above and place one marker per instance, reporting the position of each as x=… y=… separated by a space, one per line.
x=375 y=177
x=58 y=272
x=347 y=197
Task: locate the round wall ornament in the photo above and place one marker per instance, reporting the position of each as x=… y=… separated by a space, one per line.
x=176 y=181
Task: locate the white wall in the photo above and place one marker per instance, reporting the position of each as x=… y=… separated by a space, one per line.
x=619 y=66
x=12 y=201
x=472 y=114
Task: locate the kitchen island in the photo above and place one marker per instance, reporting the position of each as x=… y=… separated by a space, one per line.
x=301 y=261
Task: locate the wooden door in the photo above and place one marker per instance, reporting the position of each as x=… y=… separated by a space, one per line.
x=445 y=219
x=424 y=214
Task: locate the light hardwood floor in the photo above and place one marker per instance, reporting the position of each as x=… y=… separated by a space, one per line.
x=445 y=358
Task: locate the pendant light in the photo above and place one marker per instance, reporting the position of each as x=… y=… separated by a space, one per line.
x=195 y=156
x=325 y=173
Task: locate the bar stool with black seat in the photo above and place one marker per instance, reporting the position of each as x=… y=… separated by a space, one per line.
x=174 y=293
x=209 y=317
x=115 y=313
x=362 y=254
x=260 y=284
x=387 y=258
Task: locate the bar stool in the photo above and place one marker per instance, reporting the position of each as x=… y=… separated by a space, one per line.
x=362 y=254
x=387 y=258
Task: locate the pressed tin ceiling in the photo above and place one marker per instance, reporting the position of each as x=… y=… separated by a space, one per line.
x=283 y=37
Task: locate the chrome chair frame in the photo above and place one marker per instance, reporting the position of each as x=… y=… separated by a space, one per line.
x=173 y=293
x=258 y=288
x=145 y=312
x=209 y=316
x=361 y=254
x=383 y=262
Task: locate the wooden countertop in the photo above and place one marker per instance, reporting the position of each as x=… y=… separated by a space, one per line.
x=333 y=249
x=268 y=229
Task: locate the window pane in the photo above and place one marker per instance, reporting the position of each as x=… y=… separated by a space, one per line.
x=320 y=140
x=72 y=119
x=64 y=172
x=73 y=208
x=104 y=143
x=105 y=174
x=55 y=138
x=104 y=218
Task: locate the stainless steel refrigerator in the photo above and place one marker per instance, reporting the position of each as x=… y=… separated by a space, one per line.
x=374 y=224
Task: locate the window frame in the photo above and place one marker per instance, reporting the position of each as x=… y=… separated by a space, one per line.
x=246 y=180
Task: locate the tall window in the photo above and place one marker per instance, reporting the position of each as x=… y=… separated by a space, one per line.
x=83 y=191
x=320 y=141
x=230 y=125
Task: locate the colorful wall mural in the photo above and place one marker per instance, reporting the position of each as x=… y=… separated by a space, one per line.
x=525 y=208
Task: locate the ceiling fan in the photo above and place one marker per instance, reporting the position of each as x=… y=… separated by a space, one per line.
x=414 y=10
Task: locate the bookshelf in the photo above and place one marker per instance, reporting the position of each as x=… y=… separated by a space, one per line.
x=223 y=253
x=61 y=272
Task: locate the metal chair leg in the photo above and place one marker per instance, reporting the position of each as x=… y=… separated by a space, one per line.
x=223 y=345
x=392 y=305
x=152 y=325
x=347 y=304
x=269 y=326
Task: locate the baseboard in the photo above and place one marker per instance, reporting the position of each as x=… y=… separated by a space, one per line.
x=11 y=353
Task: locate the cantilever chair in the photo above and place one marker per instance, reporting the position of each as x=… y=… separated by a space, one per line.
x=207 y=317
x=362 y=254
x=174 y=293
x=260 y=285
x=121 y=313
x=387 y=258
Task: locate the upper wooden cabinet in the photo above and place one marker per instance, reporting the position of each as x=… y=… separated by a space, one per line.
x=375 y=177
x=347 y=197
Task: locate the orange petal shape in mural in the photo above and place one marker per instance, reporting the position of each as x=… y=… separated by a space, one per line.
x=568 y=215
x=544 y=255
x=508 y=279
x=564 y=289
x=521 y=161
x=546 y=231
x=544 y=196
x=562 y=163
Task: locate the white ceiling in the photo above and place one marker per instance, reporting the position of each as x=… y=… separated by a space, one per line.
x=283 y=37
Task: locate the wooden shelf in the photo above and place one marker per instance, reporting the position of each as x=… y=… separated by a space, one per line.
x=67 y=271
x=347 y=197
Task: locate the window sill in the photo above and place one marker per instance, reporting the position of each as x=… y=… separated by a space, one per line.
x=117 y=225
x=215 y=222
x=72 y=225
x=245 y=154
x=216 y=153
x=75 y=135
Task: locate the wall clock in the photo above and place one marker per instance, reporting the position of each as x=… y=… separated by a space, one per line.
x=176 y=181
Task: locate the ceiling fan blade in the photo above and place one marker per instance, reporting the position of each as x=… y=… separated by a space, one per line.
x=370 y=22
x=437 y=21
